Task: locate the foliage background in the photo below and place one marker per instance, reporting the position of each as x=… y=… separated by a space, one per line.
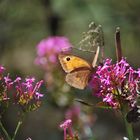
x=24 y=23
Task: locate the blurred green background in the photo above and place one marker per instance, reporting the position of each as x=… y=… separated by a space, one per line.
x=24 y=23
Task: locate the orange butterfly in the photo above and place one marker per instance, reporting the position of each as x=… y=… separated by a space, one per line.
x=78 y=70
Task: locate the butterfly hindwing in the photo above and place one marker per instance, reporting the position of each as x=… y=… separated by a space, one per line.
x=78 y=79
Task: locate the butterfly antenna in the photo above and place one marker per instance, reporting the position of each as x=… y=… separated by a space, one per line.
x=96 y=57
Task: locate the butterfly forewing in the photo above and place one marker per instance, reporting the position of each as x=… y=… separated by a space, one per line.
x=71 y=62
x=92 y=38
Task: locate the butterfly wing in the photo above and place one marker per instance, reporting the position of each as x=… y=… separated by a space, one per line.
x=71 y=62
x=78 y=79
x=133 y=115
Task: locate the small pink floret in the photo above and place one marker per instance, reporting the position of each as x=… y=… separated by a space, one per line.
x=66 y=124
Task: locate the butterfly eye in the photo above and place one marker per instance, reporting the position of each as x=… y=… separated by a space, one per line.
x=68 y=58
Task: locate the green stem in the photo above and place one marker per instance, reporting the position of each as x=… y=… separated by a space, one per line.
x=16 y=130
x=4 y=131
x=128 y=127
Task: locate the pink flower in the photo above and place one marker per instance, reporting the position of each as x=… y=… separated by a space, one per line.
x=48 y=49
x=2 y=69
x=67 y=125
x=116 y=81
x=29 y=83
x=27 y=91
x=17 y=79
x=108 y=98
x=138 y=72
x=38 y=95
x=8 y=81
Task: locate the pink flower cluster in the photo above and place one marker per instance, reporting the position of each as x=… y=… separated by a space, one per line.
x=5 y=82
x=48 y=49
x=26 y=92
x=116 y=83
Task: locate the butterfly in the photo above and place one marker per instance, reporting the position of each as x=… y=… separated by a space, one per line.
x=78 y=70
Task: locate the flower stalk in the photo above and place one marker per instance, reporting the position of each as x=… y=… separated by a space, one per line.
x=16 y=130
x=128 y=126
x=4 y=131
x=118 y=44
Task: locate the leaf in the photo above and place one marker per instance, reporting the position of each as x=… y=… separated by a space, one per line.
x=84 y=102
x=103 y=105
